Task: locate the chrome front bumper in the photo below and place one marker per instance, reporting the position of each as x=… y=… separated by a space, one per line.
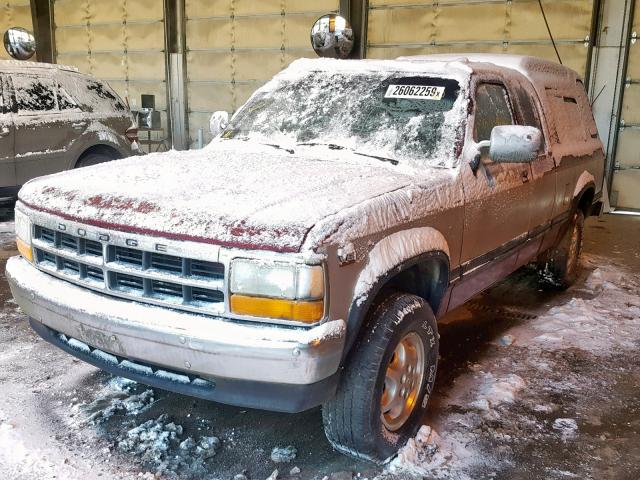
x=202 y=346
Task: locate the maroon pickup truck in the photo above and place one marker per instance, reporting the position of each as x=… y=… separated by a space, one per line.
x=304 y=256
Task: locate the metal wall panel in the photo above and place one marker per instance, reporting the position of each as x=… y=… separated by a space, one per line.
x=626 y=177
x=14 y=13
x=494 y=26
x=234 y=46
x=121 y=41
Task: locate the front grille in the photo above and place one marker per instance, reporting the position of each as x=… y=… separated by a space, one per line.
x=157 y=278
x=127 y=255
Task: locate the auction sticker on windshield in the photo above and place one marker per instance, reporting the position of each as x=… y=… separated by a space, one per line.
x=415 y=92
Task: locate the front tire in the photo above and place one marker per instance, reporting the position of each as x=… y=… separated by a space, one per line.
x=562 y=266
x=387 y=382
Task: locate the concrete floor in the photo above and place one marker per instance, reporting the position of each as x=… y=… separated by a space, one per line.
x=48 y=398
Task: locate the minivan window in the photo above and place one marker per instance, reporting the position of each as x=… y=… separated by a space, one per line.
x=34 y=94
x=492 y=110
x=65 y=102
x=92 y=95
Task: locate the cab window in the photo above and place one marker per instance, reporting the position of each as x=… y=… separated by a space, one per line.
x=492 y=110
x=528 y=112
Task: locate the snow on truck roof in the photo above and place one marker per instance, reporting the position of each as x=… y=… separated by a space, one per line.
x=24 y=65
x=537 y=70
x=443 y=68
x=542 y=73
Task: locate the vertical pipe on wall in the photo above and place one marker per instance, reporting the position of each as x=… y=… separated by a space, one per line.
x=175 y=39
x=356 y=12
x=42 y=19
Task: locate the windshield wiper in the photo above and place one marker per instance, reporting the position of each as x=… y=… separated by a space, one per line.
x=246 y=139
x=382 y=159
x=288 y=150
x=335 y=146
x=331 y=146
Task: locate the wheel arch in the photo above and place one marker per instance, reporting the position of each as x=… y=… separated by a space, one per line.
x=584 y=193
x=425 y=275
x=100 y=148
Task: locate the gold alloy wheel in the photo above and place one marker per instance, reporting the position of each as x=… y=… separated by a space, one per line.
x=403 y=381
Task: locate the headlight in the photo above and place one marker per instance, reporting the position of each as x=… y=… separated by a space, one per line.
x=277 y=290
x=23 y=235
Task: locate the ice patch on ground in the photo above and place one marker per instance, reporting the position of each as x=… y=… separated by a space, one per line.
x=283 y=454
x=495 y=391
x=159 y=444
x=567 y=427
x=119 y=396
x=425 y=455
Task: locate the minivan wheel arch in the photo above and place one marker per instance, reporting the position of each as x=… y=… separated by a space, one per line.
x=100 y=149
x=426 y=275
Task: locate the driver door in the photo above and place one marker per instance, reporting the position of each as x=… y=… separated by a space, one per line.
x=497 y=198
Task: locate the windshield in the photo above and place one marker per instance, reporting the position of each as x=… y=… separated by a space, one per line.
x=389 y=115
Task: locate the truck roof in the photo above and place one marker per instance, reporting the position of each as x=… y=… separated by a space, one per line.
x=539 y=71
x=25 y=65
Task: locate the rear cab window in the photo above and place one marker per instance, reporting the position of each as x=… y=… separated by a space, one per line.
x=567 y=116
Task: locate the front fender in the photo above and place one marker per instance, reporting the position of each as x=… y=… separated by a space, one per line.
x=391 y=256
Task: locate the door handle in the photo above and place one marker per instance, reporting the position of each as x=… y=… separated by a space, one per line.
x=4 y=131
x=79 y=125
x=525 y=176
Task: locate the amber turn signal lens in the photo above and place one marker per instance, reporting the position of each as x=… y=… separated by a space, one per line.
x=298 y=311
x=25 y=250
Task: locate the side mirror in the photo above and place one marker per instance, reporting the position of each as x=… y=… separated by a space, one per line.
x=218 y=122
x=514 y=144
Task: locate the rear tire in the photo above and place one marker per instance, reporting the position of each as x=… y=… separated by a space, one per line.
x=93 y=159
x=562 y=265
x=387 y=382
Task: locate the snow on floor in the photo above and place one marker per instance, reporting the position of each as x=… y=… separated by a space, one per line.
x=21 y=460
x=483 y=408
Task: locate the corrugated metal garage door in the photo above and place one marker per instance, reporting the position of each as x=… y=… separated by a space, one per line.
x=16 y=13
x=121 y=41
x=626 y=177
x=234 y=46
x=412 y=27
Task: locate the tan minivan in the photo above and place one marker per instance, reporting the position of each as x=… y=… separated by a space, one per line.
x=304 y=257
x=53 y=118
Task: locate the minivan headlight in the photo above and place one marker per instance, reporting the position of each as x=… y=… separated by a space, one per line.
x=23 y=235
x=277 y=290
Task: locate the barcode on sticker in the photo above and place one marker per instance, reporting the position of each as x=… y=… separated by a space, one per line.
x=416 y=92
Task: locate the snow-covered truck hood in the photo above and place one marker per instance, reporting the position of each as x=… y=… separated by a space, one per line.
x=250 y=197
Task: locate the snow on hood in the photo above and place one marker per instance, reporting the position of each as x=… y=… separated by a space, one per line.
x=232 y=194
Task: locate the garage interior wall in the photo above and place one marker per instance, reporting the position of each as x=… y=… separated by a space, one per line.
x=16 y=13
x=234 y=46
x=625 y=193
x=413 y=27
x=120 y=41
